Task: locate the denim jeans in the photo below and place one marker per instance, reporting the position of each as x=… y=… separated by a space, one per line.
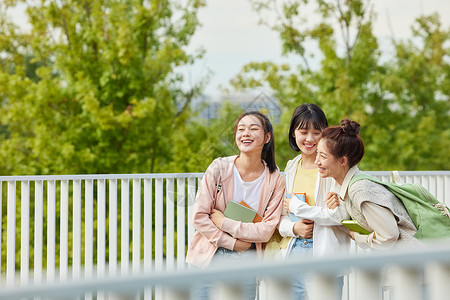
x=301 y=248
x=202 y=291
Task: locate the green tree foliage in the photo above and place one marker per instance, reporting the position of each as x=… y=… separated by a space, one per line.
x=202 y=142
x=95 y=86
x=401 y=100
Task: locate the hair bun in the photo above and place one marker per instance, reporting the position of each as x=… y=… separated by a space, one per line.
x=349 y=127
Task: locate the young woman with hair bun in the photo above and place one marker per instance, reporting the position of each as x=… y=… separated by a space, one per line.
x=372 y=205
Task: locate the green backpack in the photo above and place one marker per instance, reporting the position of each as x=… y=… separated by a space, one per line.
x=431 y=218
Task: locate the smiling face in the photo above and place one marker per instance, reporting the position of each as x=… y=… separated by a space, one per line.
x=250 y=135
x=307 y=138
x=329 y=165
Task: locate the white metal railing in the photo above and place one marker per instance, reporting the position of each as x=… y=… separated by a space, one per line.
x=414 y=274
x=94 y=217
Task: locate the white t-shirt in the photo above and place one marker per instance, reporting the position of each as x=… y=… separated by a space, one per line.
x=247 y=191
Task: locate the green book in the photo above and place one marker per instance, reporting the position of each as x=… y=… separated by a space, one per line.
x=353 y=225
x=239 y=212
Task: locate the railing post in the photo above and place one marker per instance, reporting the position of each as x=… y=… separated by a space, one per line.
x=170 y=224
x=437 y=276
x=101 y=233
x=407 y=283
x=11 y=234
x=136 y=259
x=159 y=214
x=191 y=199
x=367 y=285
x=25 y=233
x=125 y=226
x=1 y=219
x=51 y=229
x=181 y=221
x=323 y=286
x=112 y=232
x=88 y=232
x=38 y=230
x=446 y=197
x=136 y=237
x=280 y=289
x=224 y=291
x=148 y=231
x=64 y=233
x=76 y=268
x=173 y=293
x=112 y=227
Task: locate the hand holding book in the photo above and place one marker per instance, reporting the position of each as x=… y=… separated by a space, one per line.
x=301 y=197
x=354 y=225
x=302 y=227
x=241 y=212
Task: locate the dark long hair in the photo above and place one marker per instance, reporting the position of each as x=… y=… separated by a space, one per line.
x=268 y=151
x=344 y=140
x=302 y=117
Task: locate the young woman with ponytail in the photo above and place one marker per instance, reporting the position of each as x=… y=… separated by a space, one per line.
x=252 y=177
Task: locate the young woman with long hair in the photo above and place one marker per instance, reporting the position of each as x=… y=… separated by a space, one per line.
x=251 y=177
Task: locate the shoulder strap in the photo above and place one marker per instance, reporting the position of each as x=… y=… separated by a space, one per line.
x=363 y=176
x=395 y=177
x=215 y=167
x=218 y=181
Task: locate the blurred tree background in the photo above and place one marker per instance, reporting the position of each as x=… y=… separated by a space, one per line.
x=401 y=100
x=96 y=87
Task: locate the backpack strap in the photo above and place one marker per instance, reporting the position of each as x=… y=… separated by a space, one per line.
x=218 y=183
x=363 y=176
x=395 y=177
x=398 y=191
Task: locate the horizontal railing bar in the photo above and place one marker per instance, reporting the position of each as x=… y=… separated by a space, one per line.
x=180 y=175
x=100 y=176
x=234 y=273
x=409 y=173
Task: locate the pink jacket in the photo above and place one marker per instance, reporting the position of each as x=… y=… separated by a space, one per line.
x=215 y=191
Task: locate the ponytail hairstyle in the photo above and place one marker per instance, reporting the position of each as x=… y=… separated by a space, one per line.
x=268 y=151
x=344 y=140
x=305 y=115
